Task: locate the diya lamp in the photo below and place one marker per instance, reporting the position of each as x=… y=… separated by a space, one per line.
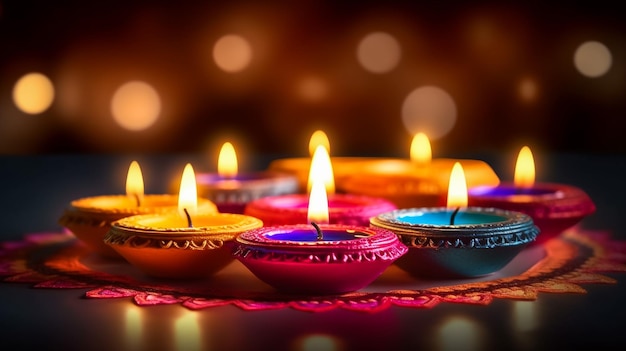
x=318 y=258
x=420 y=181
x=457 y=241
x=90 y=218
x=554 y=207
x=343 y=208
x=231 y=190
x=184 y=244
x=300 y=166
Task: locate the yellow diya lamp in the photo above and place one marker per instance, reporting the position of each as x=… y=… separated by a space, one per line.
x=185 y=244
x=90 y=218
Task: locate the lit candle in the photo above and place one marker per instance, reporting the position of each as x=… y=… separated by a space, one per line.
x=458 y=241
x=318 y=258
x=343 y=208
x=187 y=243
x=232 y=190
x=300 y=166
x=420 y=181
x=90 y=218
x=553 y=207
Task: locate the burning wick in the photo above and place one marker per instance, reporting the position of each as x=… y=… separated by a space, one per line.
x=188 y=218
x=454 y=215
x=320 y=236
x=138 y=199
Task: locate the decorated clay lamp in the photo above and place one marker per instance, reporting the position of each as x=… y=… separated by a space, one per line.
x=185 y=244
x=90 y=218
x=231 y=190
x=458 y=241
x=554 y=207
x=317 y=257
x=419 y=182
x=343 y=208
x=300 y=166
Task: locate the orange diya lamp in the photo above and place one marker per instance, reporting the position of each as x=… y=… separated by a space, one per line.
x=231 y=190
x=343 y=166
x=554 y=207
x=186 y=244
x=90 y=218
x=419 y=181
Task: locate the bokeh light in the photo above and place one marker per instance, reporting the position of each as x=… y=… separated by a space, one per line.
x=430 y=110
x=136 y=106
x=527 y=89
x=379 y=52
x=458 y=333
x=592 y=59
x=232 y=53
x=33 y=93
x=312 y=89
x=318 y=342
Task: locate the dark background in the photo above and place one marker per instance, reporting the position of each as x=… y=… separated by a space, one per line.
x=94 y=46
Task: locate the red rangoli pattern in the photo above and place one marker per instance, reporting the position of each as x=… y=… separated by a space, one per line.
x=59 y=261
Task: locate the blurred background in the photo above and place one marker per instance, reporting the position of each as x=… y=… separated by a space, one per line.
x=184 y=76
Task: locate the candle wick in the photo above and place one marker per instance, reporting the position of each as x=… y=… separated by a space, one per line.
x=138 y=199
x=454 y=215
x=320 y=235
x=188 y=218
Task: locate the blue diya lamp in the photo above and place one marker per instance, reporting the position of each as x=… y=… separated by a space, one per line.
x=463 y=243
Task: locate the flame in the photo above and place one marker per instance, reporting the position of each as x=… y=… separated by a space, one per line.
x=227 y=161
x=457 y=190
x=524 y=169
x=318 y=138
x=318 y=203
x=188 y=194
x=322 y=170
x=421 y=152
x=134 y=182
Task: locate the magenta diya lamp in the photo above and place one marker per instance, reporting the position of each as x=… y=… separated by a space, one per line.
x=343 y=208
x=554 y=207
x=318 y=258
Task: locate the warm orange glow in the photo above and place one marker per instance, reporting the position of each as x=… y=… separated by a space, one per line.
x=318 y=203
x=188 y=194
x=322 y=170
x=136 y=106
x=227 y=161
x=134 y=182
x=421 y=152
x=379 y=52
x=232 y=53
x=457 y=190
x=525 y=169
x=33 y=93
x=318 y=138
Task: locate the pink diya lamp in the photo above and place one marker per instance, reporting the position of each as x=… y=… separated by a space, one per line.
x=318 y=258
x=553 y=207
x=90 y=218
x=184 y=244
x=420 y=181
x=231 y=190
x=343 y=208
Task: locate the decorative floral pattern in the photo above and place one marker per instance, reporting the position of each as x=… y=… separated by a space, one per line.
x=55 y=260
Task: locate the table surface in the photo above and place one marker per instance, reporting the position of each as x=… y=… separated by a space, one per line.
x=38 y=188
